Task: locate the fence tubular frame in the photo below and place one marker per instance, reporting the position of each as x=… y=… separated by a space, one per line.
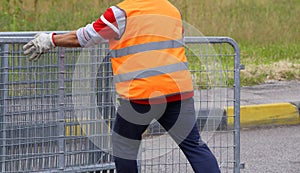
x=7 y=38
x=237 y=68
x=4 y=94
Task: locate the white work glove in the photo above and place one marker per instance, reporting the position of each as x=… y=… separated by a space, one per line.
x=41 y=43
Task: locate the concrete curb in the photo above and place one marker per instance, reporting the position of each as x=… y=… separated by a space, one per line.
x=267 y=114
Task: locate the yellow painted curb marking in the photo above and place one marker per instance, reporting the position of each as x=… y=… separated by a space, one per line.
x=278 y=113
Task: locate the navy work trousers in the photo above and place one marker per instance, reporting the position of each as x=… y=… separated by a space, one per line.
x=177 y=118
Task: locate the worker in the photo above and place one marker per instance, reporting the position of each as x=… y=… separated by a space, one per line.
x=151 y=76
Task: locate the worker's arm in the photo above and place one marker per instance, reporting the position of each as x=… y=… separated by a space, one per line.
x=110 y=25
x=66 y=40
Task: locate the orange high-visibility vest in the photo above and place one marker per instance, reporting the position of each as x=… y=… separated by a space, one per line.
x=149 y=61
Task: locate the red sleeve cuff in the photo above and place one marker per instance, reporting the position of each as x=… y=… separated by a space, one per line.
x=52 y=39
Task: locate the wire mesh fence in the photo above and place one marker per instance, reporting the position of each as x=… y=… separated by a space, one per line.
x=57 y=113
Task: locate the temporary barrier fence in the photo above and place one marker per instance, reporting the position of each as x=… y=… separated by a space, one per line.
x=57 y=113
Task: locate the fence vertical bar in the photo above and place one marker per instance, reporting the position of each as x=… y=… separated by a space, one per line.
x=236 y=107
x=4 y=94
x=61 y=118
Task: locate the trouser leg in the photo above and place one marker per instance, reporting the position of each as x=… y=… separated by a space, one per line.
x=126 y=141
x=198 y=153
x=131 y=122
x=180 y=122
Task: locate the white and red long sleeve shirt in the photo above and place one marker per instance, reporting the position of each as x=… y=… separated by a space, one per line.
x=110 y=25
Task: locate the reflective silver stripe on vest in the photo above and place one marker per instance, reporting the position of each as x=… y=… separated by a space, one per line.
x=146 y=47
x=151 y=72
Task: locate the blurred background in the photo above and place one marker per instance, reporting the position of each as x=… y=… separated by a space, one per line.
x=268 y=31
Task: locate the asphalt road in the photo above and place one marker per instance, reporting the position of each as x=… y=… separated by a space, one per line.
x=263 y=150
x=271 y=149
x=271 y=92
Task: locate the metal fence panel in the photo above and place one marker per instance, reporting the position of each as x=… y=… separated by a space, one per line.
x=56 y=113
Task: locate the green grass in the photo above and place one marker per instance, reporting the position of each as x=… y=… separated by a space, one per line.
x=270 y=62
x=268 y=31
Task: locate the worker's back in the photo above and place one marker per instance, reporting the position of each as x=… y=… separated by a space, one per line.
x=149 y=58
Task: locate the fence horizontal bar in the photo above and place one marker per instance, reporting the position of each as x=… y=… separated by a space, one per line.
x=96 y=167
x=23 y=37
